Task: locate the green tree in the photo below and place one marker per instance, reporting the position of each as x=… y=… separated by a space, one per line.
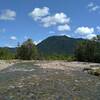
x=27 y=51
x=6 y=54
x=88 y=51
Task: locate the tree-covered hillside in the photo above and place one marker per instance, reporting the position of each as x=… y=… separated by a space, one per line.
x=60 y=45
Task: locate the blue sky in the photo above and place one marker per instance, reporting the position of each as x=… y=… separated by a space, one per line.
x=38 y=19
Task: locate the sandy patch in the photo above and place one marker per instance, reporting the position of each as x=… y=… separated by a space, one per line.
x=4 y=64
x=64 y=65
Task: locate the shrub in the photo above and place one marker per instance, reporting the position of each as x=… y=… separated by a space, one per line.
x=27 y=51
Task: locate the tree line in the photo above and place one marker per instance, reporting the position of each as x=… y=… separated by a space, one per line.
x=86 y=51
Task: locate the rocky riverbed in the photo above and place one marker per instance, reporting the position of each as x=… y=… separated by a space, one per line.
x=48 y=80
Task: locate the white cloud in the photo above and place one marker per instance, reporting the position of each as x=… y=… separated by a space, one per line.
x=98 y=28
x=85 y=32
x=93 y=7
x=58 y=18
x=13 y=38
x=91 y=4
x=2 y=30
x=37 y=13
x=10 y=46
x=90 y=36
x=64 y=27
x=7 y=14
x=44 y=17
x=37 y=42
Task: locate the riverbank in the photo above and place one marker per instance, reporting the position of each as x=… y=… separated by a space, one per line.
x=48 y=80
x=58 y=64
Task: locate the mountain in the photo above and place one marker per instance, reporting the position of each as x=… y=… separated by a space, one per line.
x=12 y=50
x=55 y=45
x=58 y=45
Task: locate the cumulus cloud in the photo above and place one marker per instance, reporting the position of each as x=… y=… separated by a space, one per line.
x=91 y=4
x=93 y=7
x=37 y=13
x=98 y=28
x=90 y=36
x=43 y=16
x=85 y=32
x=58 y=18
x=64 y=27
x=10 y=46
x=7 y=14
x=13 y=38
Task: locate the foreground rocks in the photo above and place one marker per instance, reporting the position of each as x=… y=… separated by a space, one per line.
x=49 y=80
x=93 y=70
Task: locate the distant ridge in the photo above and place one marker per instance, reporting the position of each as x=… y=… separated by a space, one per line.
x=58 y=45
x=12 y=50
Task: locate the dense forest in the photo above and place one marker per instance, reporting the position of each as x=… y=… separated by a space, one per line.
x=56 y=48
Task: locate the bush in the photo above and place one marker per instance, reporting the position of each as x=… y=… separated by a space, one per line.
x=6 y=54
x=27 y=51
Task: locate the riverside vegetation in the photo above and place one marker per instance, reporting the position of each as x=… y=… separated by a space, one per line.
x=80 y=50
